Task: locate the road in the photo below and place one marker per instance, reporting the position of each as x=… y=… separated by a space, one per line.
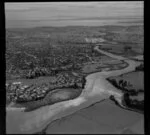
x=97 y=88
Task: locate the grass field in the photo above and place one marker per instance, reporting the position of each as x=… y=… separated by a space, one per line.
x=98 y=118
x=135 y=78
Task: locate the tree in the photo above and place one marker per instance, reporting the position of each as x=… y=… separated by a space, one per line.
x=140 y=67
x=120 y=82
x=124 y=84
x=127 y=48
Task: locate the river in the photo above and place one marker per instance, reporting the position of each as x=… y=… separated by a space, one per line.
x=97 y=89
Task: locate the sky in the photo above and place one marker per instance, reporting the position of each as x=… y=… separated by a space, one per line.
x=26 y=14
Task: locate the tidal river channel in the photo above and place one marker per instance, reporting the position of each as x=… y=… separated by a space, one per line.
x=97 y=89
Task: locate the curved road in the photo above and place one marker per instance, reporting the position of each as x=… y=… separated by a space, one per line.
x=97 y=88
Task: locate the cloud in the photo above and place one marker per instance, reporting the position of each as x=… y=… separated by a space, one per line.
x=67 y=5
x=63 y=11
